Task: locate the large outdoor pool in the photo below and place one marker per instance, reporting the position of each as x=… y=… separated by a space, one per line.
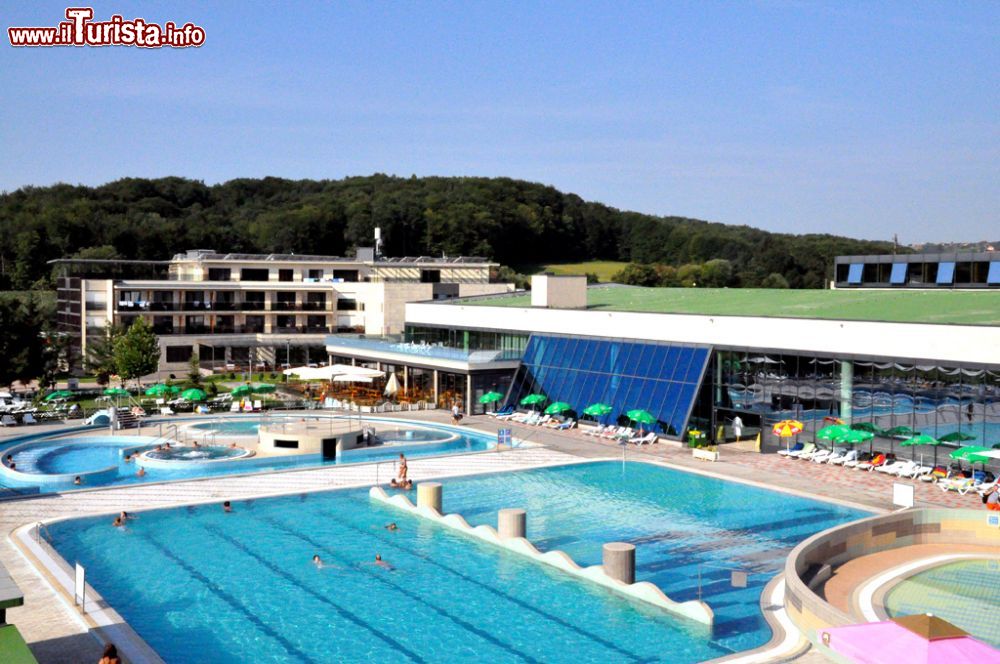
x=240 y=587
x=50 y=464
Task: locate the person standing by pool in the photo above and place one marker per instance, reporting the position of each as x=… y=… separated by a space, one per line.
x=403 y=468
x=992 y=498
x=737 y=427
x=456 y=415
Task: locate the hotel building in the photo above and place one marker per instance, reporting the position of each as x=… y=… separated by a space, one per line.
x=265 y=309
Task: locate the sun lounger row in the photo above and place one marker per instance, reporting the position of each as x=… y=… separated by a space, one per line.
x=612 y=432
x=886 y=464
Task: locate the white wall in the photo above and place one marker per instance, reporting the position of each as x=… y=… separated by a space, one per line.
x=943 y=343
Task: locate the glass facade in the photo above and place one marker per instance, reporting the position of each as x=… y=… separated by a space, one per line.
x=936 y=400
x=898 y=275
x=465 y=339
x=854 y=273
x=660 y=378
x=946 y=272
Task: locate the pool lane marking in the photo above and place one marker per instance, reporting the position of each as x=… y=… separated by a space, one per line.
x=310 y=591
x=484 y=635
x=229 y=599
x=514 y=600
x=867 y=593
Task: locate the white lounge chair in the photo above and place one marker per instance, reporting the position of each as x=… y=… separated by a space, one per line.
x=28 y=418
x=850 y=456
x=648 y=439
x=167 y=410
x=808 y=448
x=258 y=405
x=788 y=452
x=893 y=467
x=8 y=421
x=234 y=407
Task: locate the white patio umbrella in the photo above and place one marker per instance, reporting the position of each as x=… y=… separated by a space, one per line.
x=352 y=378
x=391 y=386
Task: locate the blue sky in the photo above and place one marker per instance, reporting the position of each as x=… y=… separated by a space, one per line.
x=864 y=119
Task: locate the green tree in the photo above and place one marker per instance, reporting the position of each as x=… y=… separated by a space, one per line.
x=689 y=275
x=137 y=351
x=667 y=276
x=636 y=274
x=100 y=359
x=194 y=371
x=774 y=280
x=23 y=346
x=716 y=273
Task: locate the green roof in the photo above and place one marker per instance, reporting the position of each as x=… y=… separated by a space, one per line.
x=898 y=306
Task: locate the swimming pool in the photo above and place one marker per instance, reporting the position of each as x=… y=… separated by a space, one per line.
x=239 y=587
x=75 y=455
x=963 y=593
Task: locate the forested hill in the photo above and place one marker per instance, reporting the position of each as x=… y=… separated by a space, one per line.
x=511 y=221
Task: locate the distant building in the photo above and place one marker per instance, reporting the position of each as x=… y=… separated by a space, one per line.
x=264 y=309
x=941 y=270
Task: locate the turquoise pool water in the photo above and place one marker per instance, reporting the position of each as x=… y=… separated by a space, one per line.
x=966 y=594
x=239 y=587
x=84 y=453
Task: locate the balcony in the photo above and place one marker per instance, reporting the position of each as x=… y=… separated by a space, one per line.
x=165 y=305
x=390 y=345
x=252 y=305
x=285 y=306
x=314 y=306
x=300 y=329
x=197 y=306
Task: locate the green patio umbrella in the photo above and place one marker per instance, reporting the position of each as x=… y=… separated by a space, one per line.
x=116 y=392
x=263 y=388
x=558 y=407
x=490 y=397
x=597 y=409
x=641 y=416
x=532 y=399
x=963 y=453
x=922 y=439
x=956 y=437
x=193 y=394
x=832 y=432
x=161 y=390
x=866 y=426
x=59 y=394
x=900 y=431
x=241 y=391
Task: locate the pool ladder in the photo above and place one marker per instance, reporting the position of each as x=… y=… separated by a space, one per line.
x=42 y=532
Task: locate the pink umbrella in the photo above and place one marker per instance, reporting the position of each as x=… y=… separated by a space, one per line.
x=911 y=639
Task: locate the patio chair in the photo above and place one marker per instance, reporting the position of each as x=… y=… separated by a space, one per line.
x=567 y=424
x=860 y=458
x=893 y=467
x=797 y=447
x=808 y=448
x=234 y=407
x=842 y=458
x=648 y=439
x=28 y=418
x=167 y=410
x=876 y=461
x=8 y=421
x=258 y=405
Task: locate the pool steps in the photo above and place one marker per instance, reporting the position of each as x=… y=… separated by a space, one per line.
x=644 y=591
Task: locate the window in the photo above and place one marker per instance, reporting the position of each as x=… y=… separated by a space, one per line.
x=854 y=273
x=898 y=275
x=286 y=275
x=316 y=274
x=219 y=274
x=660 y=378
x=253 y=300
x=254 y=324
x=345 y=304
x=430 y=276
x=345 y=275
x=287 y=444
x=994 y=276
x=179 y=353
x=252 y=274
x=946 y=272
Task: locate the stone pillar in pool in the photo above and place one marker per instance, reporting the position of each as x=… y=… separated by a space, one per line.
x=619 y=561
x=846 y=390
x=429 y=495
x=511 y=522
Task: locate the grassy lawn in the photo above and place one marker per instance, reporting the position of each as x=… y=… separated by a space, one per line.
x=603 y=269
x=969 y=308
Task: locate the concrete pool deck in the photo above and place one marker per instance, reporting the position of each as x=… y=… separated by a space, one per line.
x=56 y=633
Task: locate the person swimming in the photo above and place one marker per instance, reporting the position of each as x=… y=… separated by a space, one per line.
x=392 y=526
x=118 y=523
x=401 y=484
x=141 y=473
x=317 y=561
x=77 y=481
x=227 y=507
x=381 y=563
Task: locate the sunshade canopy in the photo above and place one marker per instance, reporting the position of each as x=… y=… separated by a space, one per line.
x=532 y=399
x=490 y=397
x=558 y=407
x=641 y=416
x=597 y=409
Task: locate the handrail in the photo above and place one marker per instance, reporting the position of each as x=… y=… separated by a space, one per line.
x=39 y=529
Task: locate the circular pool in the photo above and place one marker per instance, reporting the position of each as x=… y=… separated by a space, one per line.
x=196 y=454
